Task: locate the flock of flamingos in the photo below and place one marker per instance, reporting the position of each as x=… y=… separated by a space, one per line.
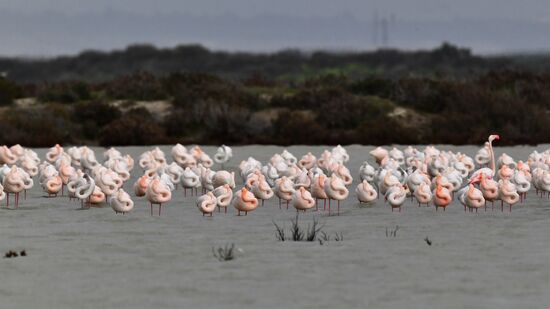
x=430 y=176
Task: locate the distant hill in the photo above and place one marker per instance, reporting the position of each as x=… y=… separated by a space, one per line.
x=286 y=65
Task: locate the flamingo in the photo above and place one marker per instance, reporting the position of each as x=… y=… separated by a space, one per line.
x=336 y=190
x=201 y=157
x=179 y=155
x=284 y=189
x=523 y=185
x=507 y=193
x=473 y=198
x=343 y=173
x=65 y=172
x=13 y=183
x=302 y=199
x=423 y=194
x=189 y=180
x=318 y=189
x=325 y=160
x=7 y=156
x=121 y=202
x=380 y=154
x=489 y=188
x=174 y=171
x=82 y=188
x=366 y=192
x=245 y=201
x=340 y=154
x=108 y=181
x=483 y=156
x=488 y=172
x=261 y=189
x=367 y=172
x=288 y=157
x=395 y=195
x=223 y=195
x=206 y=178
x=97 y=196
x=441 y=197
x=221 y=178
x=302 y=180
x=141 y=184
x=307 y=161
x=207 y=203
x=157 y=193
x=505 y=172
x=223 y=155
x=53 y=154
x=52 y=185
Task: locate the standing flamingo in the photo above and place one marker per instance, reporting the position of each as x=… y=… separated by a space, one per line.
x=245 y=201
x=302 y=199
x=157 y=193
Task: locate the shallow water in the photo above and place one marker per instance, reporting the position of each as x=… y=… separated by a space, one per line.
x=96 y=259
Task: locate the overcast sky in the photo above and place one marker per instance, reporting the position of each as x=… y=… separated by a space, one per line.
x=50 y=27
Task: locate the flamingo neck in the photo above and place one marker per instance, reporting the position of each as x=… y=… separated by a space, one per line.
x=492 y=156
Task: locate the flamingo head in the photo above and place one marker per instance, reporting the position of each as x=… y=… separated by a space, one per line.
x=493 y=137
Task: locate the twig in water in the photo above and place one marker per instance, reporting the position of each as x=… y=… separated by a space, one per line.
x=313 y=230
x=224 y=253
x=280 y=232
x=428 y=241
x=392 y=232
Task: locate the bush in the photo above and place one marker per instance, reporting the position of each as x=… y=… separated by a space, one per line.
x=9 y=91
x=63 y=92
x=35 y=127
x=133 y=129
x=140 y=86
x=190 y=89
x=373 y=86
x=297 y=128
x=92 y=116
